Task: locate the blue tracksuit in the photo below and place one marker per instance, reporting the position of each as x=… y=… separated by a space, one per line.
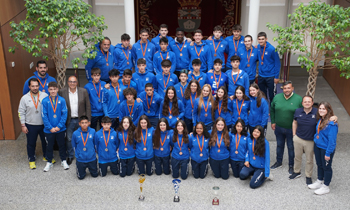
x=202 y=78
x=156 y=39
x=180 y=91
x=220 y=49
x=44 y=82
x=112 y=146
x=176 y=149
x=244 y=112
x=190 y=106
x=258 y=115
x=111 y=102
x=77 y=143
x=149 y=52
x=242 y=147
x=251 y=69
x=166 y=147
x=231 y=50
x=130 y=151
x=201 y=117
x=272 y=64
x=148 y=153
x=157 y=60
x=100 y=62
x=162 y=79
x=155 y=105
x=222 y=79
x=224 y=151
x=95 y=98
x=173 y=119
x=195 y=150
x=181 y=53
x=327 y=137
x=205 y=56
x=243 y=80
x=132 y=84
x=48 y=114
x=135 y=111
x=226 y=115
x=122 y=58
x=142 y=79
x=259 y=162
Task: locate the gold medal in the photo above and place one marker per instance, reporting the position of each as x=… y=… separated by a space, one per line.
x=106 y=149
x=161 y=149
x=125 y=149
x=218 y=150
x=201 y=154
x=84 y=148
x=236 y=152
x=145 y=149
x=180 y=153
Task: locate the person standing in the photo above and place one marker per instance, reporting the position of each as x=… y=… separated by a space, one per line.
x=200 y=50
x=249 y=58
x=162 y=54
x=122 y=55
x=234 y=43
x=78 y=104
x=144 y=49
x=179 y=47
x=163 y=33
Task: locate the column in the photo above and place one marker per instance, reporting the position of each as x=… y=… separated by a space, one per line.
x=254 y=7
x=130 y=19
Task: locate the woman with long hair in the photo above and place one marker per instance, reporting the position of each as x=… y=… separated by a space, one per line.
x=259 y=109
x=238 y=146
x=180 y=155
x=204 y=108
x=192 y=92
x=219 y=149
x=125 y=134
x=222 y=106
x=171 y=108
x=161 y=143
x=257 y=160
x=144 y=146
x=325 y=142
x=199 y=144
x=240 y=106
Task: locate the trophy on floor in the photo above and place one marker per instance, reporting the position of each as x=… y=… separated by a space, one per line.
x=176 y=183
x=142 y=178
x=216 y=195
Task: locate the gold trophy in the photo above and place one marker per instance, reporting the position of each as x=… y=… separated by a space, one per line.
x=142 y=178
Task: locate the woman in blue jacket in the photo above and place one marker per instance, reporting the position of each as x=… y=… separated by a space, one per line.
x=204 y=108
x=259 y=109
x=192 y=92
x=222 y=106
x=325 y=142
x=171 y=108
x=240 y=106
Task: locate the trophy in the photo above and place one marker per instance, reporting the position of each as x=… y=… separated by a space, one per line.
x=176 y=183
x=142 y=178
x=216 y=198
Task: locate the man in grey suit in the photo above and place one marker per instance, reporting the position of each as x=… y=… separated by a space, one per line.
x=78 y=104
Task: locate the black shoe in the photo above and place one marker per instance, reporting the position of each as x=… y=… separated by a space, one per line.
x=291 y=170
x=308 y=180
x=69 y=161
x=276 y=165
x=295 y=175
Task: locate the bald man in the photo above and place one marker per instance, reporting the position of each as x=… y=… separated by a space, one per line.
x=78 y=104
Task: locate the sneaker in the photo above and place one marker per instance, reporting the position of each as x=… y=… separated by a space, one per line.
x=290 y=170
x=295 y=175
x=270 y=177
x=53 y=160
x=323 y=190
x=308 y=180
x=316 y=185
x=32 y=165
x=276 y=165
x=65 y=165
x=48 y=167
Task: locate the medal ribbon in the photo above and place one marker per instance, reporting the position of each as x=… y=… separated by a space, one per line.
x=248 y=58
x=182 y=142
x=206 y=108
x=219 y=142
x=54 y=108
x=216 y=48
x=237 y=143
x=166 y=81
x=318 y=128
x=191 y=99
x=117 y=91
x=181 y=47
x=105 y=56
x=42 y=85
x=234 y=43
x=262 y=56
x=200 y=51
x=127 y=84
x=217 y=83
x=162 y=55
x=127 y=57
x=150 y=103
x=234 y=81
x=144 y=139
x=104 y=137
x=144 y=52
x=132 y=108
x=37 y=101
x=125 y=140
x=82 y=138
x=99 y=90
x=182 y=94
x=220 y=107
x=199 y=145
x=163 y=142
x=239 y=110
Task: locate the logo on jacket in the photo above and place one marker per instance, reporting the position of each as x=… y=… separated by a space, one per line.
x=90 y=136
x=313 y=116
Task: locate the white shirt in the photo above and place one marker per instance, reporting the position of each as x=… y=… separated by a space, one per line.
x=73 y=99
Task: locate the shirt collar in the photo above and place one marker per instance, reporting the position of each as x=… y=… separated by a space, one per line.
x=289 y=96
x=76 y=90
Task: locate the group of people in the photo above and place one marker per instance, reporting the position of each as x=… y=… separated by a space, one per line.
x=169 y=102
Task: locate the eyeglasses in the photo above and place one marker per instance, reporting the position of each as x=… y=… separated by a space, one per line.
x=72 y=82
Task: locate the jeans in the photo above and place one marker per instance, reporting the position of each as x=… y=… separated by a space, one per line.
x=32 y=137
x=324 y=168
x=72 y=126
x=265 y=83
x=283 y=134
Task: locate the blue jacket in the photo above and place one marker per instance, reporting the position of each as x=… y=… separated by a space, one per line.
x=157 y=60
x=231 y=50
x=242 y=147
x=156 y=39
x=154 y=107
x=95 y=101
x=130 y=148
x=112 y=146
x=44 y=81
x=251 y=69
x=272 y=63
x=78 y=145
x=176 y=149
x=180 y=91
x=202 y=78
x=244 y=111
x=327 y=137
x=220 y=50
x=120 y=61
x=136 y=111
x=205 y=56
x=226 y=115
x=243 y=80
x=188 y=106
x=259 y=162
x=224 y=151
x=140 y=152
x=212 y=82
x=48 y=114
x=132 y=84
x=258 y=116
x=142 y=79
x=183 y=60
x=201 y=117
x=173 y=80
x=173 y=119
x=196 y=151
x=111 y=103
x=166 y=146
x=137 y=54
x=100 y=62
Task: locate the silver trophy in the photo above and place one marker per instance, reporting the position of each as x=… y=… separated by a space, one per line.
x=176 y=183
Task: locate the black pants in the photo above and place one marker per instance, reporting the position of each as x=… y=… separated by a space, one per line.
x=219 y=167
x=50 y=140
x=199 y=170
x=162 y=164
x=126 y=167
x=95 y=120
x=176 y=165
x=236 y=167
x=81 y=169
x=32 y=136
x=112 y=165
x=141 y=164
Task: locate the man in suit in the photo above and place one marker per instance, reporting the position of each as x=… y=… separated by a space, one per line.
x=78 y=104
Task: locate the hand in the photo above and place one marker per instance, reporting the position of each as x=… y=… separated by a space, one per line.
x=139 y=100
x=192 y=43
x=25 y=130
x=107 y=86
x=273 y=126
x=276 y=81
x=53 y=130
x=57 y=129
x=210 y=71
x=231 y=97
x=210 y=38
x=130 y=46
x=246 y=164
x=327 y=158
x=189 y=39
x=189 y=72
x=333 y=118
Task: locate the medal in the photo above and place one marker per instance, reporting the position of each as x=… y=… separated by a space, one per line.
x=167 y=55
x=148 y=111
x=127 y=63
x=106 y=149
x=161 y=149
x=236 y=152
x=54 y=116
x=53 y=108
x=99 y=91
x=181 y=48
x=180 y=54
x=145 y=149
x=125 y=141
x=116 y=90
x=215 y=54
x=132 y=109
x=84 y=149
x=36 y=104
x=199 y=145
x=118 y=101
x=205 y=108
x=248 y=65
x=170 y=117
x=84 y=141
x=107 y=64
x=239 y=110
x=262 y=63
x=215 y=48
x=41 y=84
x=178 y=143
x=144 y=140
x=248 y=58
x=219 y=142
x=253 y=149
x=162 y=142
x=164 y=91
x=262 y=56
x=165 y=84
x=99 y=100
x=106 y=141
x=200 y=51
x=36 y=111
x=317 y=137
x=150 y=104
x=218 y=150
x=254 y=158
x=144 y=51
x=201 y=154
x=125 y=149
x=180 y=153
x=105 y=57
x=206 y=115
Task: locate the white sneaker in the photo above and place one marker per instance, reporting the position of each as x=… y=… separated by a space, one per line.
x=270 y=177
x=65 y=165
x=323 y=190
x=48 y=167
x=316 y=185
